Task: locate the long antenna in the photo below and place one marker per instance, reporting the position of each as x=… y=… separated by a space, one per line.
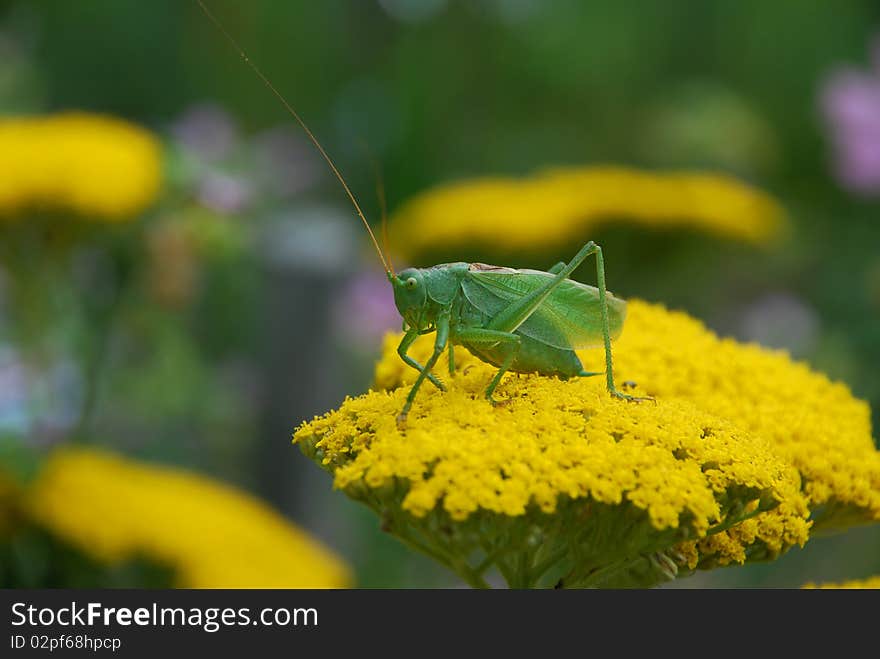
x=383 y=206
x=302 y=123
x=380 y=195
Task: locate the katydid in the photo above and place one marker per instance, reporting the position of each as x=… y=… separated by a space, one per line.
x=525 y=321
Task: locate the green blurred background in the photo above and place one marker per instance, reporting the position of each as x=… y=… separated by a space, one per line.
x=272 y=330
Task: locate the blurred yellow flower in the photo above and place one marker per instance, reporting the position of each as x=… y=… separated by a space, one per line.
x=724 y=468
x=213 y=535
x=872 y=583
x=97 y=166
x=554 y=207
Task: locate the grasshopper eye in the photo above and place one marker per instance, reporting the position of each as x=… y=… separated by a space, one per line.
x=411 y=283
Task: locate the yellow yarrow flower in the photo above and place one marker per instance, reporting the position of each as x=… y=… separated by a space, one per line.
x=556 y=206
x=814 y=423
x=212 y=535
x=722 y=469
x=872 y=583
x=100 y=167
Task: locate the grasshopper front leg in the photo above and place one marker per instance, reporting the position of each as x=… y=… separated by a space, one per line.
x=425 y=371
x=405 y=344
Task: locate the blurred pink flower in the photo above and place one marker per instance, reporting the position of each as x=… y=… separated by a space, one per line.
x=850 y=103
x=208 y=131
x=224 y=193
x=781 y=320
x=366 y=311
x=284 y=162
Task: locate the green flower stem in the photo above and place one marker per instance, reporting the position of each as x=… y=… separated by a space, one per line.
x=521 y=573
x=733 y=520
x=94 y=367
x=602 y=574
x=96 y=357
x=492 y=557
x=541 y=568
x=473 y=579
x=104 y=321
x=506 y=572
x=401 y=530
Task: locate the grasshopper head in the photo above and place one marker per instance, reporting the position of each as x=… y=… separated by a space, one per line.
x=411 y=296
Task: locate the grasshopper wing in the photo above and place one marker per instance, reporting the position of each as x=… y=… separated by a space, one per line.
x=570 y=318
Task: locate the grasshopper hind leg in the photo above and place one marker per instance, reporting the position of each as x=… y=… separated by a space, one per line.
x=592 y=248
x=615 y=392
x=488 y=337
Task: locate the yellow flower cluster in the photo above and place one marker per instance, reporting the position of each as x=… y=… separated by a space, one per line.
x=550 y=441
x=214 y=536
x=99 y=167
x=872 y=583
x=741 y=446
x=815 y=424
x=554 y=207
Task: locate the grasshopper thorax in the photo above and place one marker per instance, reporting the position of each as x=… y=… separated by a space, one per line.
x=420 y=294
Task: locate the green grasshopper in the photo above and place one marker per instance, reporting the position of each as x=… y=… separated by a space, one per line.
x=525 y=321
